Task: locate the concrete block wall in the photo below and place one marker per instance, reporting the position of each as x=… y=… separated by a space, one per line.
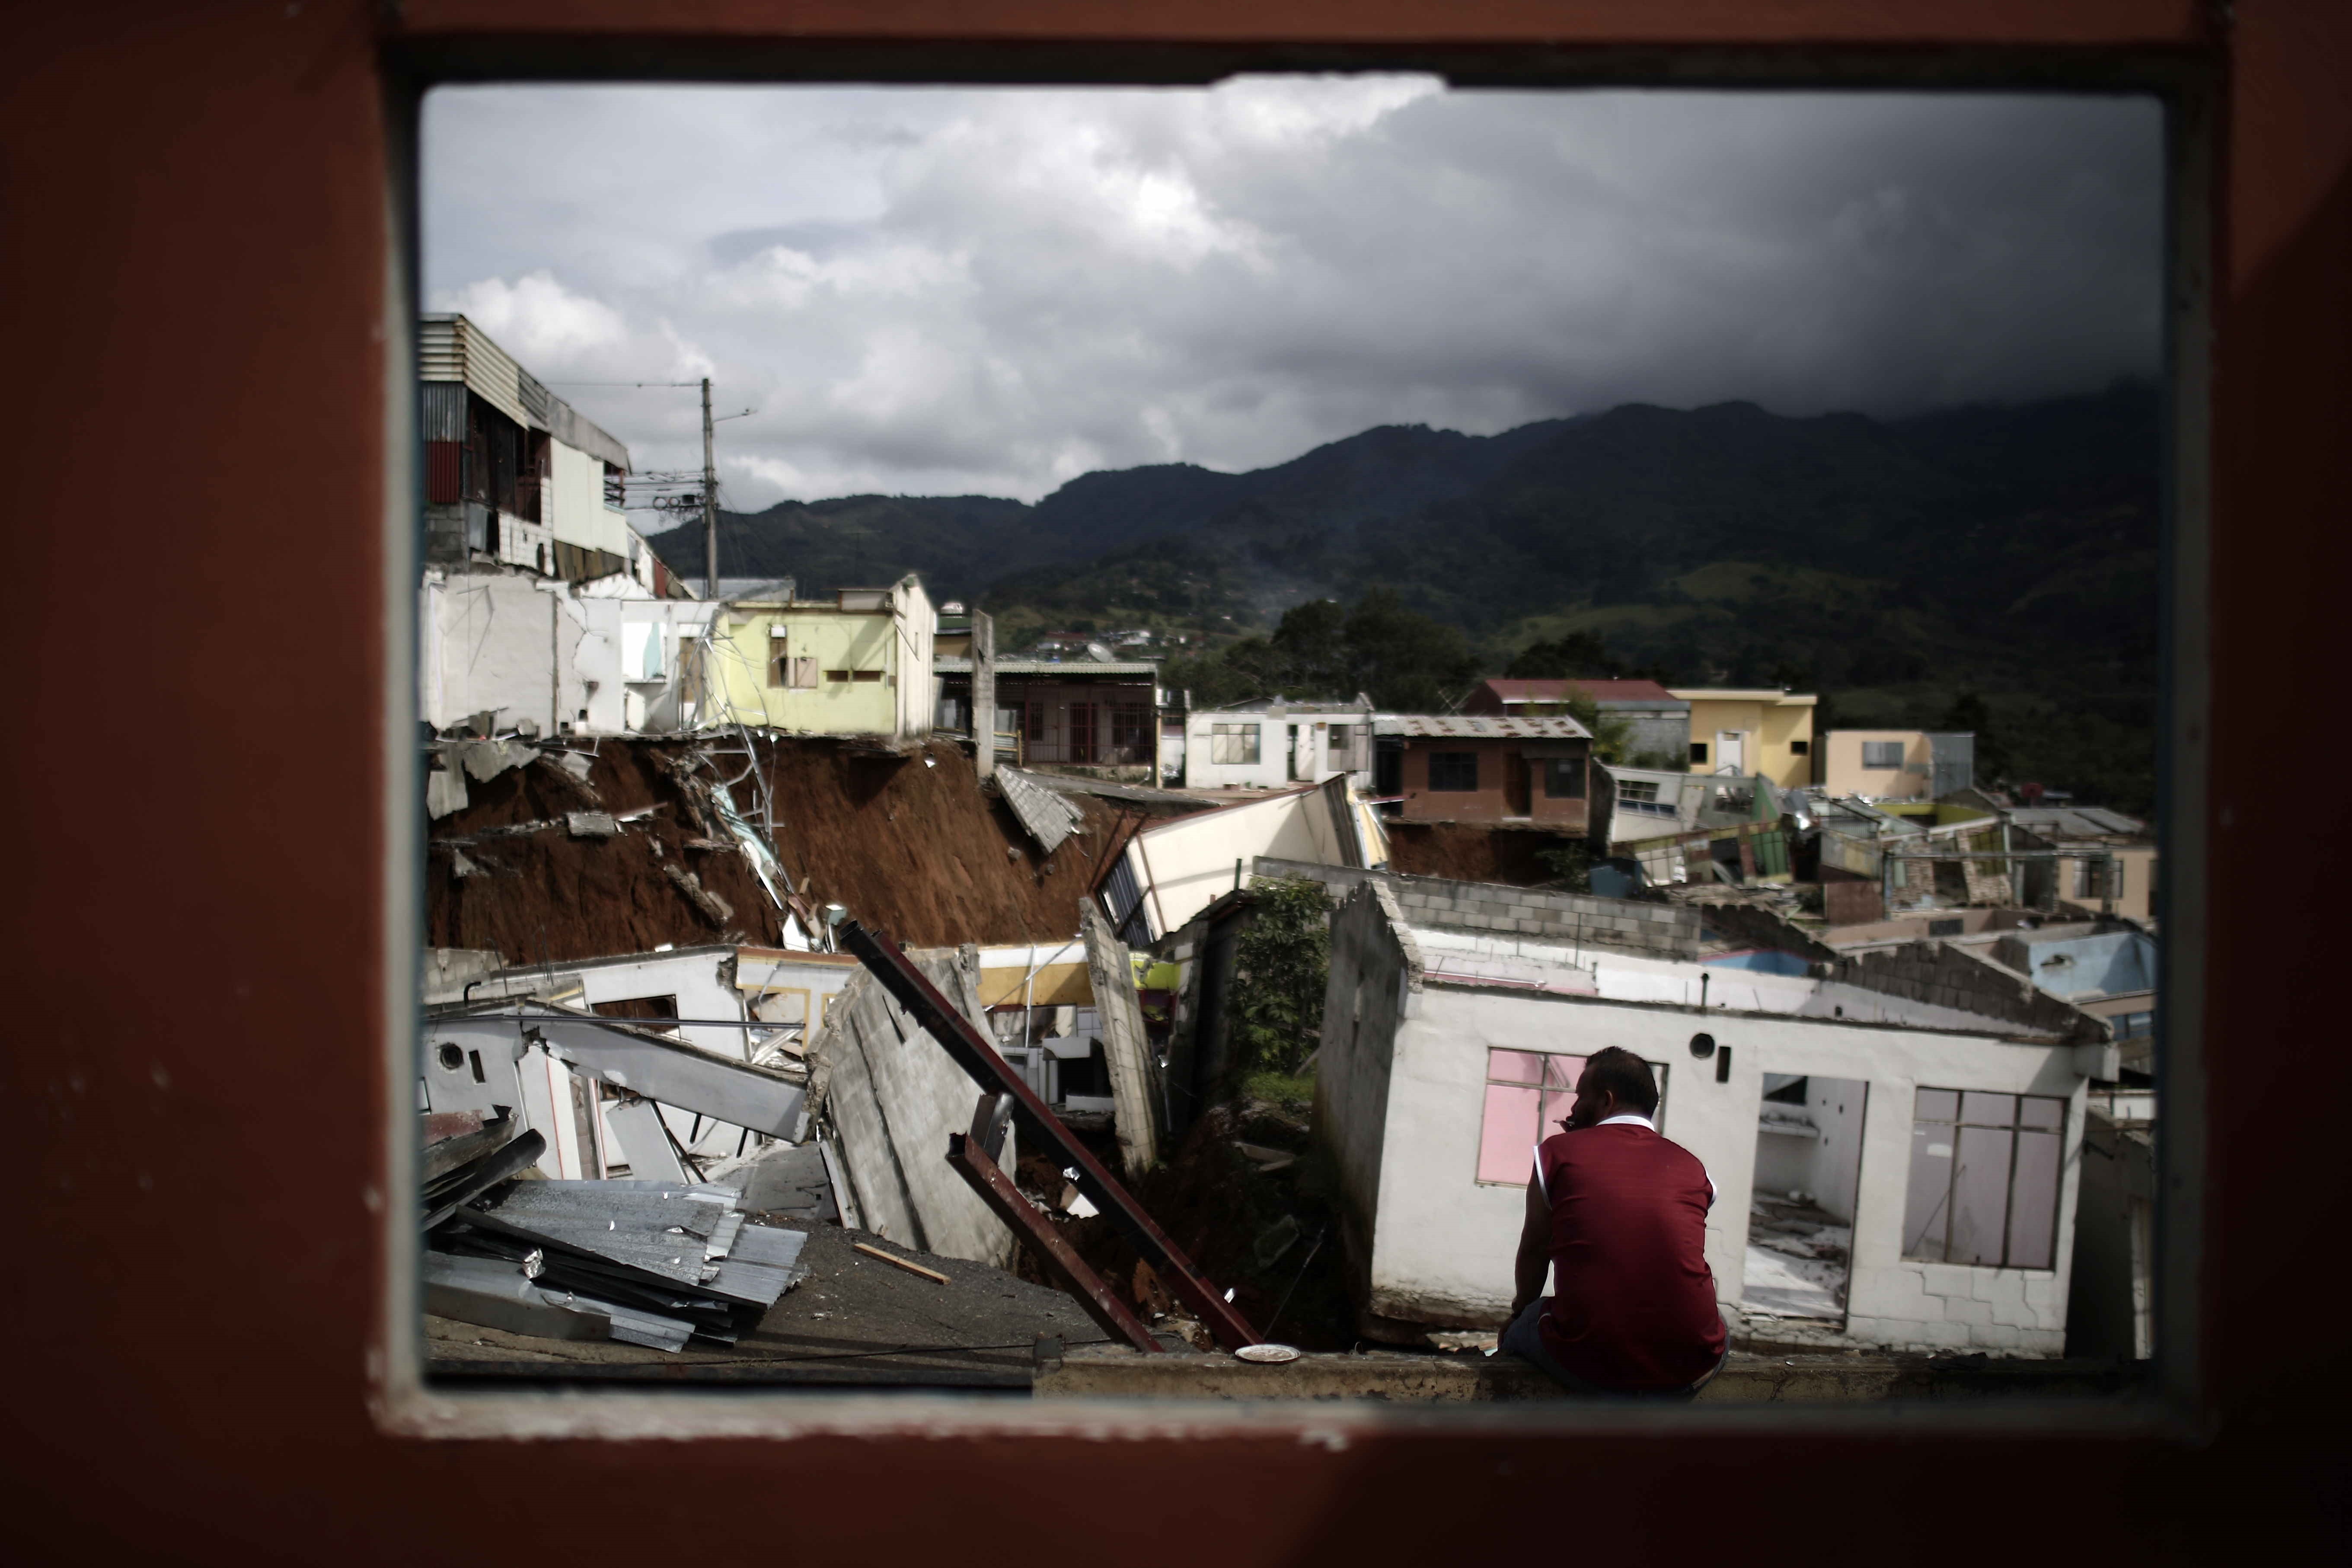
x=1654 y=930
x=1929 y=1307
x=1939 y=1306
x=1953 y=977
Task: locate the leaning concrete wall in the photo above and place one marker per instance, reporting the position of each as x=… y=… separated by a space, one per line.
x=1364 y=1003
x=1660 y=930
x=891 y=1096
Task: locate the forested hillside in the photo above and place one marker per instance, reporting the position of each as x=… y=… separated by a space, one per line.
x=1900 y=566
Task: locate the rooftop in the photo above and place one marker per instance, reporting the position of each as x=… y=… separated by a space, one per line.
x=1479 y=727
x=959 y=664
x=2077 y=821
x=1777 y=695
x=1490 y=961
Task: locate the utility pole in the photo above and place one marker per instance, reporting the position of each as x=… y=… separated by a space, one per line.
x=710 y=504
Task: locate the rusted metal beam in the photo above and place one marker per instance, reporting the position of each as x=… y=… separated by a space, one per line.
x=997 y=1191
x=956 y=1035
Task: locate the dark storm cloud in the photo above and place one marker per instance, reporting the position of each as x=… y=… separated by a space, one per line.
x=995 y=290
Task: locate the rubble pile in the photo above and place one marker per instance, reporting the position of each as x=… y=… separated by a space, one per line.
x=648 y=1263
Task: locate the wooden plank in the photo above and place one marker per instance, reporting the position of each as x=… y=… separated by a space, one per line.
x=907 y=1263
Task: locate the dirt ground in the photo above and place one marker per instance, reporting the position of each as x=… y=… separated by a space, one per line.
x=1472 y=854
x=908 y=843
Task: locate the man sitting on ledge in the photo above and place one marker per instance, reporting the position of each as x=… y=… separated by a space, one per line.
x=1619 y=1214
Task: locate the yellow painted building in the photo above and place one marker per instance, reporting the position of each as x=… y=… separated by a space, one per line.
x=1736 y=730
x=857 y=663
x=1879 y=764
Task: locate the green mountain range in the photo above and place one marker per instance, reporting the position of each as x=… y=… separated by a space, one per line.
x=1896 y=565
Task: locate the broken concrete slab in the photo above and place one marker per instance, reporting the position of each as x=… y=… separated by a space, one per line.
x=1135 y=1102
x=482 y=759
x=445 y=792
x=1049 y=818
x=715 y=909
x=891 y=1096
x=591 y=824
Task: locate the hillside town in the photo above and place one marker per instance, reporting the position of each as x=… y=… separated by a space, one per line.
x=815 y=991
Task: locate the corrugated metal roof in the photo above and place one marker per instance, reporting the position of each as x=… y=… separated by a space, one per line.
x=2077 y=821
x=451 y=348
x=958 y=664
x=1479 y=727
x=1049 y=817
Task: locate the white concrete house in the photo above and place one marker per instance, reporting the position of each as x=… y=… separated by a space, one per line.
x=1940 y=1145
x=1271 y=744
x=1171 y=870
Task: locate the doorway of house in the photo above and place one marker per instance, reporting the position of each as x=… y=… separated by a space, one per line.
x=1800 y=1204
x=1731 y=751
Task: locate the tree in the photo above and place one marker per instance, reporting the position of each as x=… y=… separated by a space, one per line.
x=1311 y=650
x=1405 y=661
x=1611 y=737
x=1969 y=713
x=1579 y=655
x=1281 y=964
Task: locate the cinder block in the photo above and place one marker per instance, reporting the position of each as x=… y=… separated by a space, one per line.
x=1995 y=1336
x=1968 y=1309
x=1945 y=1279
x=2002 y=1286
x=2041 y=1289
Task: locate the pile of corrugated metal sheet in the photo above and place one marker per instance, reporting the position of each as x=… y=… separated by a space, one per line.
x=651 y=1263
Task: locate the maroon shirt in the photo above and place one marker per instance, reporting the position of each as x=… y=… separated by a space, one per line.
x=1633 y=1303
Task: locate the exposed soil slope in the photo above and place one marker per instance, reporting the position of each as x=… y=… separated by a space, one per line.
x=910 y=843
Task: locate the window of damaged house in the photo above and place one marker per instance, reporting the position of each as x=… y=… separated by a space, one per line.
x=1564 y=778
x=1528 y=1095
x=1985 y=1172
x=1234 y=744
x=1453 y=771
x=1882 y=754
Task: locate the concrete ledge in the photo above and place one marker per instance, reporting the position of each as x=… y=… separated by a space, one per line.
x=1105 y=1371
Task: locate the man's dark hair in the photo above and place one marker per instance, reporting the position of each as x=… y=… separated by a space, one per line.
x=1622 y=1074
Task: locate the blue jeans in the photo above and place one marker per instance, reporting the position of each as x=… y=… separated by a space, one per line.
x=1524 y=1339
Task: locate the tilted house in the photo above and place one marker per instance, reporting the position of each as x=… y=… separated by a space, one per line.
x=1923 y=1108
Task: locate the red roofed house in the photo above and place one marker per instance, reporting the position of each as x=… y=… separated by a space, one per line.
x=1660 y=721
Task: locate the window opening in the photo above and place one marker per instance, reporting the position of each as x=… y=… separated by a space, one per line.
x=1453 y=771
x=1233 y=746
x=1984 y=1178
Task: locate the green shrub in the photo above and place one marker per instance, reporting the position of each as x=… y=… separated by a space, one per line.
x=1280 y=966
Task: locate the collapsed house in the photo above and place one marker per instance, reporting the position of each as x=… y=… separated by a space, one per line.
x=1894 y=1144
x=1169 y=872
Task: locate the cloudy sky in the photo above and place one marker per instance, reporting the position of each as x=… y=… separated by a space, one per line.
x=930 y=292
